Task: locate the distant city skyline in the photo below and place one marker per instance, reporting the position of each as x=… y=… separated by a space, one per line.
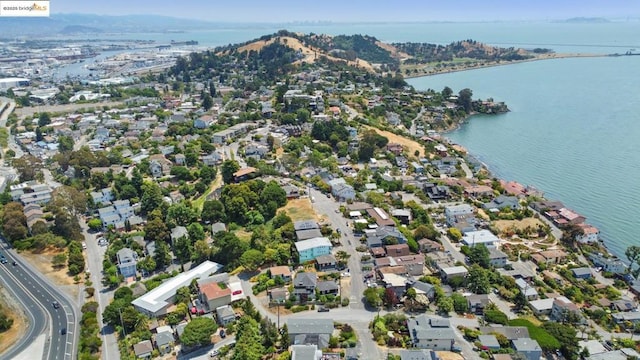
x=278 y=11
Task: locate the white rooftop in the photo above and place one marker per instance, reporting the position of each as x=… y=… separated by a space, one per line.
x=485 y=237
x=312 y=243
x=158 y=298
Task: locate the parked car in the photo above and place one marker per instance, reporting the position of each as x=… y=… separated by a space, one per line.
x=323 y=309
x=237 y=292
x=223 y=334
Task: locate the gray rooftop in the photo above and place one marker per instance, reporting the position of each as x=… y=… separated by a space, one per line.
x=310 y=326
x=525 y=344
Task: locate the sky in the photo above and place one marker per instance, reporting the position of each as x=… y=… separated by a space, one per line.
x=278 y=11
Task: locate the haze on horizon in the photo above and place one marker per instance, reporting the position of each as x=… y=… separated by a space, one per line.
x=277 y=11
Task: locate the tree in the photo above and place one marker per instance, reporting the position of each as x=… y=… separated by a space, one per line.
x=249 y=344
x=633 y=255
x=183 y=248
x=213 y=211
x=27 y=167
x=454 y=234
x=566 y=335
x=252 y=259
x=445 y=305
x=273 y=192
x=180 y=215
x=285 y=342
x=94 y=224
x=44 y=119
x=495 y=316
x=229 y=248
x=207 y=102
x=196 y=232
x=162 y=255
x=228 y=168
x=183 y=295
x=460 y=303
x=151 y=197
x=478 y=280
x=156 y=230
x=479 y=254
x=465 y=99
x=447 y=92
x=390 y=297
x=65 y=143
x=373 y=297
x=59 y=260
x=198 y=332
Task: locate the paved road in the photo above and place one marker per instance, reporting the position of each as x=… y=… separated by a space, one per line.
x=94 y=255
x=3 y=122
x=463 y=164
x=38 y=294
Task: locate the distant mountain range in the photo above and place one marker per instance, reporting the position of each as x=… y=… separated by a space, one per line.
x=90 y=24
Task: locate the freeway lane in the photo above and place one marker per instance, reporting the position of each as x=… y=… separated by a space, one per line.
x=38 y=289
x=37 y=317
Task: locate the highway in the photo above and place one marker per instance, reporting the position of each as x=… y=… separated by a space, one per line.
x=37 y=294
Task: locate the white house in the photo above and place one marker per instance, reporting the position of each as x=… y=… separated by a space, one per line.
x=156 y=302
x=431 y=333
x=451 y=212
x=104 y=196
x=116 y=214
x=485 y=237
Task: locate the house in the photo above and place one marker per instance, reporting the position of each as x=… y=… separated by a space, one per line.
x=503 y=202
x=143 y=349
x=164 y=339
x=178 y=232
x=282 y=271
x=386 y=235
x=225 y=315
x=310 y=331
x=485 y=237
x=431 y=333
x=549 y=257
x=624 y=317
x=214 y=294
x=427 y=245
x=497 y=258
x=381 y=217
x=589 y=234
x=403 y=215
x=326 y=262
x=423 y=288
x=422 y=354
x=448 y=273
x=217 y=227
x=563 y=308
x=306 y=352
x=203 y=122
x=292 y=191
x=608 y=264
x=343 y=192
x=624 y=305
x=581 y=273
x=305 y=225
x=212 y=159
x=477 y=303
x=478 y=191
x=127 y=262
x=308 y=234
x=180 y=159
x=244 y=174
x=541 y=306
x=528 y=348
x=312 y=248
x=304 y=286
x=489 y=341
x=104 y=196
x=529 y=292
x=437 y=192
x=395 y=282
x=278 y=295
x=157 y=301
x=397 y=250
x=328 y=288
x=451 y=212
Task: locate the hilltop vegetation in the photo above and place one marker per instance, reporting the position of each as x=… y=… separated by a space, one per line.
x=470 y=49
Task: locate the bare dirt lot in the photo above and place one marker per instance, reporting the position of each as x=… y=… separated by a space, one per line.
x=300 y=209
x=60 y=277
x=504 y=225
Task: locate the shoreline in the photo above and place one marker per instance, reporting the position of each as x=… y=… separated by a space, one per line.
x=443 y=135
x=495 y=64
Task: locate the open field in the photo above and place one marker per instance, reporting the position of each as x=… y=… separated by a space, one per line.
x=217 y=182
x=407 y=143
x=504 y=225
x=19 y=326
x=300 y=209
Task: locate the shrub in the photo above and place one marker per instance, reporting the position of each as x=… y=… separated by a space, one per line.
x=546 y=341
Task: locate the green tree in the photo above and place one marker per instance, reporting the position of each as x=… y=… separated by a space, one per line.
x=633 y=255
x=465 y=99
x=478 y=280
x=445 y=305
x=196 y=232
x=373 y=296
x=229 y=248
x=252 y=259
x=156 y=230
x=249 y=344
x=213 y=211
x=65 y=143
x=454 y=234
x=460 y=303
x=495 y=316
x=180 y=215
x=228 y=168
x=183 y=248
x=151 y=197
x=162 y=256
x=94 y=224
x=198 y=332
x=566 y=335
x=183 y=295
x=44 y=119
x=479 y=254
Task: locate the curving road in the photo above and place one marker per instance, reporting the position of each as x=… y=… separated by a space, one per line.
x=37 y=294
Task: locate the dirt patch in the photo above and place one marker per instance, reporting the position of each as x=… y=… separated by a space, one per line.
x=300 y=209
x=20 y=324
x=448 y=355
x=503 y=225
x=243 y=234
x=60 y=277
x=410 y=145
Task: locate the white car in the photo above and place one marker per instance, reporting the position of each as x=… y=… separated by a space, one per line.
x=213 y=353
x=84 y=246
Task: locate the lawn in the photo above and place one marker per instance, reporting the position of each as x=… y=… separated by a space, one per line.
x=197 y=203
x=544 y=339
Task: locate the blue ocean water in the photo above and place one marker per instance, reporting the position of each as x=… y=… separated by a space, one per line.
x=574 y=122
